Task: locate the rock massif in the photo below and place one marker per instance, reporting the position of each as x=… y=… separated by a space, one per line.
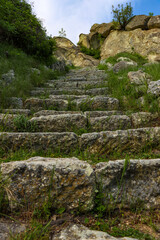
x=67 y=51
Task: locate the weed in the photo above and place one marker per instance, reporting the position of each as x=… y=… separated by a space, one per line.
x=22 y=124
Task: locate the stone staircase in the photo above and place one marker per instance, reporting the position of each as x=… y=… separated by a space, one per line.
x=76 y=113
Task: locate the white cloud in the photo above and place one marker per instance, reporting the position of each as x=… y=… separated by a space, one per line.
x=75 y=16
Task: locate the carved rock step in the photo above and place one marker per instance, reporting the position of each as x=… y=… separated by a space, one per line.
x=106 y=142
x=39 y=104
x=71 y=183
x=88 y=114
x=81 y=85
x=91 y=103
x=97 y=103
x=60 y=123
x=110 y=123
x=69 y=97
x=38 y=141
x=120 y=141
x=92 y=91
x=25 y=112
x=54 y=113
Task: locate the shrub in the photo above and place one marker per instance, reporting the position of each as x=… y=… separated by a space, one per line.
x=92 y=52
x=122 y=15
x=22 y=28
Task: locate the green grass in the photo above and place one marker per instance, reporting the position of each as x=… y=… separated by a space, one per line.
x=25 y=78
x=140 y=60
x=128 y=95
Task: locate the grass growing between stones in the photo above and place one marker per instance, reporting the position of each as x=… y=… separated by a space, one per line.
x=25 y=77
x=129 y=94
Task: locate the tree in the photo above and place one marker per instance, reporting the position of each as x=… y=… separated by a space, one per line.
x=122 y=15
x=62 y=33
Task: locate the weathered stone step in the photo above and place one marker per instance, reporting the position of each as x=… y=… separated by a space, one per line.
x=69 y=97
x=64 y=91
x=110 y=123
x=38 y=141
x=80 y=85
x=25 y=112
x=106 y=142
x=48 y=103
x=60 y=123
x=90 y=103
x=53 y=112
x=97 y=103
x=120 y=141
x=74 y=183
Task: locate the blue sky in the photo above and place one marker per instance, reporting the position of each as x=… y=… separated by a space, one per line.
x=77 y=16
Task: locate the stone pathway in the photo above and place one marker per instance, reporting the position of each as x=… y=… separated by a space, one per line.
x=76 y=112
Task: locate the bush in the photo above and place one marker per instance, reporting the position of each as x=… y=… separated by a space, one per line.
x=21 y=27
x=92 y=52
x=122 y=15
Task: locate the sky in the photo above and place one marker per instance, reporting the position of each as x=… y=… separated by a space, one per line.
x=77 y=16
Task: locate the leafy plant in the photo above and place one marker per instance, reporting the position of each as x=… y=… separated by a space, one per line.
x=92 y=52
x=22 y=28
x=62 y=33
x=23 y=124
x=122 y=15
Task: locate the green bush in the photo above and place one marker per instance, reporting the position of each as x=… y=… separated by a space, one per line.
x=92 y=52
x=21 y=27
x=122 y=15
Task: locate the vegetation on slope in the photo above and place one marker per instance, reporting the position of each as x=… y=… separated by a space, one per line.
x=20 y=26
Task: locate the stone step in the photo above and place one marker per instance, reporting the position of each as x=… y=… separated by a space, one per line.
x=60 y=123
x=106 y=142
x=120 y=141
x=80 y=85
x=53 y=112
x=37 y=104
x=76 y=182
x=65 y=91
x=69 y=97
x=25 y=112
x=90 y=103
x=110 y=123
x=65 y=141
x=97 y=103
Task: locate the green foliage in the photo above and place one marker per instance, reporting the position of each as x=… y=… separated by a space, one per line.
x=122 y=15
x=140 y=60
x=22 y=28
x=151 y=14
x=62 y=33
x=22 y=124
x=92 y=52
x=25 y=78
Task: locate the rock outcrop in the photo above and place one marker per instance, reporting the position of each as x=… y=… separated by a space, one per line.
x=144 y=42
x=138 y=21
x=67 y=51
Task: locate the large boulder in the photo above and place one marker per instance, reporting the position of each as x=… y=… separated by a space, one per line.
x=154 y=22
x=102 y=29
x=146 y=43
x=84 y=40
x=138 y=21
x=98 y=32
x=67 y=183
x=67 y=51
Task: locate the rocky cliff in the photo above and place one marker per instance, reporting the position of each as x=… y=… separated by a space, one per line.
x=141 y=35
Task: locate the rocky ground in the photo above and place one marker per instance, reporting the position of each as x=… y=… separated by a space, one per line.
x=76 y=117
